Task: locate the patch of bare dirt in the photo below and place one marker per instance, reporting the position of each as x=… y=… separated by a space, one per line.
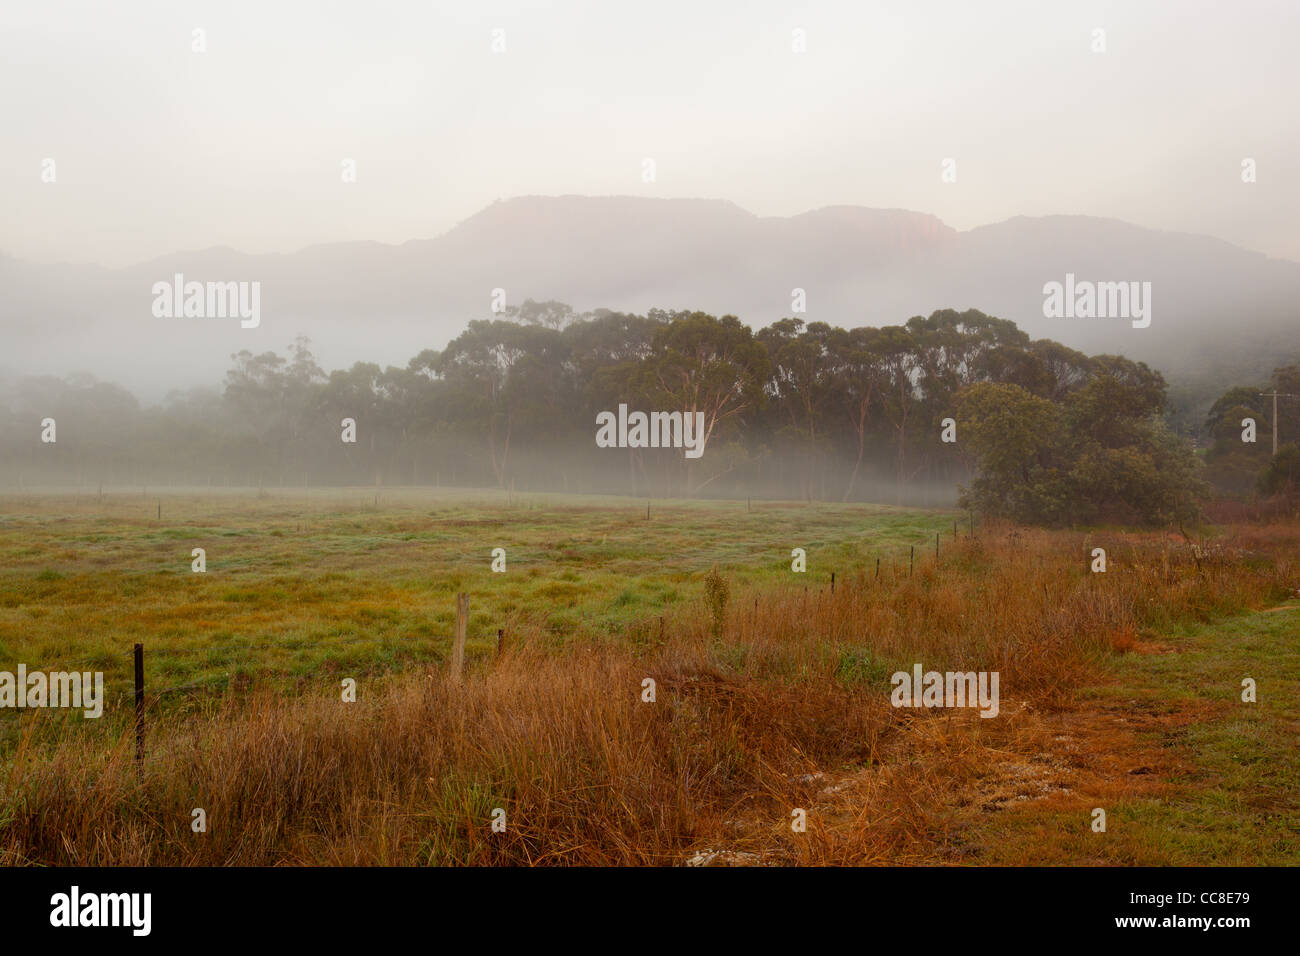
x=942 y=778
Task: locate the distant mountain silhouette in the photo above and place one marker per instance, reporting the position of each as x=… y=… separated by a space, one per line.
x=1215 y=306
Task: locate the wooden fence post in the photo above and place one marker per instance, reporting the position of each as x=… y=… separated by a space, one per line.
x=458 y=643
x=936 y=546
x=911 y=561
x=832 y=582
x=139 y=706
x=501 y=640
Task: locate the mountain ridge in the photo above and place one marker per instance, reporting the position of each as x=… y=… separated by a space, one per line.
x=515 y=201
x=364 y=300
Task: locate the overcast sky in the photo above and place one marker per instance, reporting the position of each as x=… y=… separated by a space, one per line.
x=158 y=148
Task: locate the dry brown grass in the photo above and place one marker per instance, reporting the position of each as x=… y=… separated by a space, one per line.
x=788 y=707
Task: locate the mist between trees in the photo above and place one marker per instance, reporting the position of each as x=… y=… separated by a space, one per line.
x=796 y=411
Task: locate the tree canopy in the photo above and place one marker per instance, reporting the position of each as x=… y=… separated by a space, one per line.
x=795 y=409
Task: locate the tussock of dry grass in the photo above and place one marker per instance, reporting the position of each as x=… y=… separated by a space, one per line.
x=790 y=699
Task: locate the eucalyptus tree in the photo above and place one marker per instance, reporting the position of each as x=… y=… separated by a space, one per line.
x=705 y=364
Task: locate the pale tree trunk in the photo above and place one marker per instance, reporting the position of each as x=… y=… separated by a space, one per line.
x=499 y=468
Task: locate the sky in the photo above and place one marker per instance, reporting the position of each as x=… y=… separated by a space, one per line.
x=159 y=147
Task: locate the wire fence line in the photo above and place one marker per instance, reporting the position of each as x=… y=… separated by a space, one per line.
x=190 y=686
x=67 y=665
x=202 y=683
x=142 y=701
x=107 y=657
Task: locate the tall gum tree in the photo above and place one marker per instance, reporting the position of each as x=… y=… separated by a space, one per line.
x=706 y=364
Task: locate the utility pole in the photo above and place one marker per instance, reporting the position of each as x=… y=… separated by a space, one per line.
x=1276 y=395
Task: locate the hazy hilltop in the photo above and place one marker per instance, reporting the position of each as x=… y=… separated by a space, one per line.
x=1218 y=312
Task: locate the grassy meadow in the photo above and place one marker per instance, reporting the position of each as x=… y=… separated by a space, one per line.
x=1119 y=690
x=302 y=585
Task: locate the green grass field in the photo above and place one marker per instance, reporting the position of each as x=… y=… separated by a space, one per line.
x=1235 y=790
x=1189 y=773
x=1134 y=676
x=297 y=584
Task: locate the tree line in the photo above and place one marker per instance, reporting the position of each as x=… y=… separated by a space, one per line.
x=793 y=410
x=1240 y=426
